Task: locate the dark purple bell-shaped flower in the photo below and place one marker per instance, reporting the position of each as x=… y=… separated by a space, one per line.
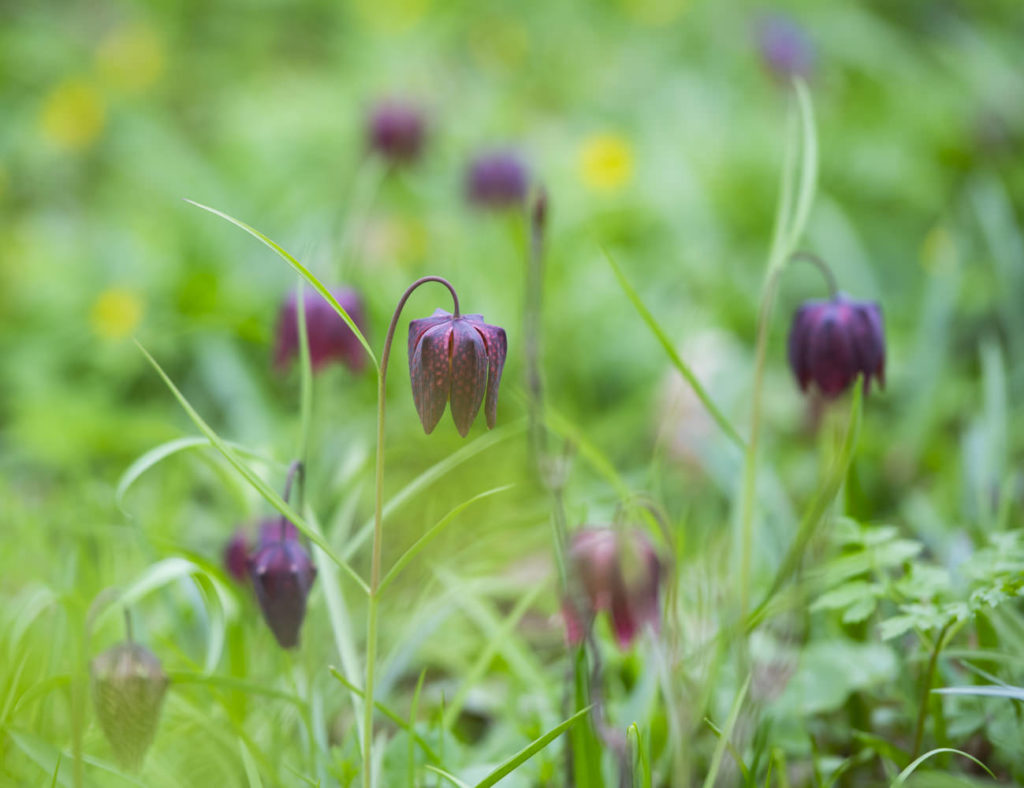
x=617 y=571
x=497 y=180
x=785 y=47
x=330 y=338
x=457 y=359
x=396 y=130
x=832 y=342
x=282 y=575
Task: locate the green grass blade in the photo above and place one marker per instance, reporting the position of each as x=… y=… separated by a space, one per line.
x=432 y=533
x=247 y=473
x=305 y=272
x=405 y=725
x=160 y=453
x=808 y=166
x=448 y=776
x=905 y=774
x=433 y=473
x=252 y=773
x=530 y=750
x=673 y=354
x=1014 y=693
x=414 y=709
x=639 y=756
x=726 y=735
x=305 y=380
x=732 y=750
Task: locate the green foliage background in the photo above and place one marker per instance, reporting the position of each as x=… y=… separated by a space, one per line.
x=113 y=112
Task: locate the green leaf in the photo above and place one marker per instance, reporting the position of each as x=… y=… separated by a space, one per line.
x=448 y=776
x=673 y=354
x=902 y=776
x=252 y=773
x=726 y=733
x=250 y=476
x=305 y=272
x=530 y=750
x=1014 y=693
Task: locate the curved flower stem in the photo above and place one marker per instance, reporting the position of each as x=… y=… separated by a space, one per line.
x=821 y=265
x=378 y=523
x=295 y=469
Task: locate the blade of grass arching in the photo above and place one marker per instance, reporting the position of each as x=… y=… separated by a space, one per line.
x=391 y=715
x=413 y=714
x=479 y=667
x=723 y=739
x=905 y=774
x=820 y=504
x=231 y=683
x=305 y=272
x=432 y=474
x=636 y=747
x=261 y=486
x=159 y=453
x=448 y=776
x=305 y=380
x=808 y=166
x=433 y=532
x=1015 y=693
x=732 y=750
x=784 y=206
x=677 y=360
x=252 y=774
x=56 y=772
x=530 y=750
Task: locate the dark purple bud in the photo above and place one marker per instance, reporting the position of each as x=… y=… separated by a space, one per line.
x=282 y=575
x=617 y=571
x=128 y=687
x=270 y=531
x=785 y=48
x=236 y=555
x=330 y=338
x=497 y=180
x=396 y=131
x=456 y=359
x=832 y=342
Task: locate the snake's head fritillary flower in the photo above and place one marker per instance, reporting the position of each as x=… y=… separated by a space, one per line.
x=616 y=571
x=282 y=575
x=832 y=342
x=236 y=555
x=497 y=180
x=330 y=338
x=396 y=131
x=455 y=359
x=785 y=48
x=128 y=687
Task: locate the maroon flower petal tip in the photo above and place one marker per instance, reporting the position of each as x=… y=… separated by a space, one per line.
x=457 y=360
x=396 y=131
x=785 y=49
x=330 y=338
x=236 y=555
x=497 y=180
x=832 y=342
x=617 y=572
x=282 y=575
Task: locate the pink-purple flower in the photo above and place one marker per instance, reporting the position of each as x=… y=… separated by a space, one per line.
x=282 y=575
x=396 y=130
x=496 y=180
x=330 y=338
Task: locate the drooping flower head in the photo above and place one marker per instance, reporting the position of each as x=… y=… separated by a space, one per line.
x=240 y=545
x=128 y=687
x=282 y=575
x=330 y=338
x=457 y=359
x=497 y=180
x=396 y=130
x=832 y=342
x=786 y=50
x=615 y=571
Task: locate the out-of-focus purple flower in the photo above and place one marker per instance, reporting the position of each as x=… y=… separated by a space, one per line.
x=128 y=687
x=785 y=47
x=282 y=575
x=458 y=359
x=497 y=180
x=236 y=555
x=330 y=338
x=396 y=130
x=617 y=571
x=832 y=342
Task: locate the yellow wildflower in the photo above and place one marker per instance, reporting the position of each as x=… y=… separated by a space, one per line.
x=73 y=115
x=606 y=162
x=131 y=58
x=116 y=313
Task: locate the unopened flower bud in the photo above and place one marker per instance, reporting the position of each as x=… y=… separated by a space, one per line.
x=786 y=50
x=456 y=359
x=396 y=131
x=330 y=338
x=497 y=180
x=282 y=575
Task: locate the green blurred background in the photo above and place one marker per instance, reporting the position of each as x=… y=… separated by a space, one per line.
x=658 y=131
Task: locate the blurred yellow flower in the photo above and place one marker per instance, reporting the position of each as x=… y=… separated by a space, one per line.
x=606 y=162
x=73 y=115
x=116 y=313
x=130 y=58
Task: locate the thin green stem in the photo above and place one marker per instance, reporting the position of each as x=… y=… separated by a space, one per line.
x=378 y=523
x=822 y=266
x=926 y=689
